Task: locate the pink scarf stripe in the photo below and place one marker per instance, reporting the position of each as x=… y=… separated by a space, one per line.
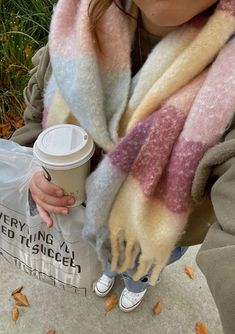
x=71 y=35
x=204 y=123
x=174 y=188
x=228 y=6
x=62 y=37
x=166 y=127
x=154 y=154
x=123 y=155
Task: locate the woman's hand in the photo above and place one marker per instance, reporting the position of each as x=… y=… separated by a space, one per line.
x=49 y=198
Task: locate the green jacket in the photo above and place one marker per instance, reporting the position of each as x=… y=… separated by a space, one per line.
x=212 y=221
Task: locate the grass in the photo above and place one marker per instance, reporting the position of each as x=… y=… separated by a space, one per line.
x=24 y=29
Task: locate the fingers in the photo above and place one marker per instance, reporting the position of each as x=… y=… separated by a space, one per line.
x=52 y=208
x=48 y=196
x=45 y=216
x=44 y=189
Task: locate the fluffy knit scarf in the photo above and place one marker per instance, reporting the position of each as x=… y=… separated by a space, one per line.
x=155 y=127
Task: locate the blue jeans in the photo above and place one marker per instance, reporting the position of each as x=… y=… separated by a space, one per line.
x=141 y=285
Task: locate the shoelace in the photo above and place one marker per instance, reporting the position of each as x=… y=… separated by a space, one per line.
x=131 y=295
x=105 y=282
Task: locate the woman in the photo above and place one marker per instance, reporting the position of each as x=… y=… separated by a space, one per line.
x=148 y=83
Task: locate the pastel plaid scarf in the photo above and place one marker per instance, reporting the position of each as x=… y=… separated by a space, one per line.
x=155 y=128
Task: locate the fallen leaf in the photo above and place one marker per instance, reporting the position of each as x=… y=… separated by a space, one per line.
x=51 y=331
x=20 y=299
x=17 y=123
x=110 y=302
x=5 y=130
x=14 y=313
x=17 y=290
x=189 y=271
x=157 y=309
x=201 y=328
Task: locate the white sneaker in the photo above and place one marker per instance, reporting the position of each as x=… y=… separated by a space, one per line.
x=104 y=285
x=128 y=300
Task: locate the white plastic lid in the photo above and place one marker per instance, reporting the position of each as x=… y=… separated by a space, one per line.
x=63 y=146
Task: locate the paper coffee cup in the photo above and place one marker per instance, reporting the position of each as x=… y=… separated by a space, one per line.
x=64 y=152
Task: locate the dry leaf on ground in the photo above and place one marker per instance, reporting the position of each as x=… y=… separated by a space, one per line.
x=14 y=313
x=17 y=123
x=17 y=290
x=189 y=271
x=201 y=328
x=20 y=299
x=51 y=331
x=157 y=309
x=110 y=302
x=8 y=124
x=5 y=130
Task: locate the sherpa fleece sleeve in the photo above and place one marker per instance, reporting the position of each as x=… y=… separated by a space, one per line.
x=216 y=257
x=33 y=95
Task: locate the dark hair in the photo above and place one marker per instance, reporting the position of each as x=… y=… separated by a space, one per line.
x=209 y=11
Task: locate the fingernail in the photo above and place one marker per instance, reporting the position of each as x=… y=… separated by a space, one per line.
x=49 y=224
x=71 y=201
x=64 y=212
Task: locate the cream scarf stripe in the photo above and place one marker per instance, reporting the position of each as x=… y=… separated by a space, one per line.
x=159 y=60
x=200 y=52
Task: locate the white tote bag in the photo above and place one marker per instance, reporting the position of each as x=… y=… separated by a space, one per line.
x=57 y=255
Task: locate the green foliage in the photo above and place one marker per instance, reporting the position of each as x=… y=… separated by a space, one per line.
x=24 y=29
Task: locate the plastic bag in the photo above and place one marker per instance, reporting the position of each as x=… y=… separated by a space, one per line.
x=57 y=255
